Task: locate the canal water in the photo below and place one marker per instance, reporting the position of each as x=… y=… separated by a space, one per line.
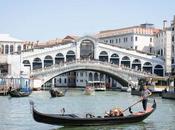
x=15 y=113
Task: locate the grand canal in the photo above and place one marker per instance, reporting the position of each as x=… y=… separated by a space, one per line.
x=15 y=113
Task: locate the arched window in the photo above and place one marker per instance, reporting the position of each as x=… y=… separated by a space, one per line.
x=6 y=49
x=96 y=78
x=90 y=77
x=19 y=49
x=2 y=50
x=11 y=49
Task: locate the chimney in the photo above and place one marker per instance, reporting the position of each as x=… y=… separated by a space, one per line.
x=164 y=24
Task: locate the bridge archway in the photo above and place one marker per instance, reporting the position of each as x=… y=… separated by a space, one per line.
x=59 y=58
x=87 y=49
x=158 y=69
x=37 y=63
x=70 y=56
x=125 y=61
x=103 y=56
x=48 y=61
x=147 y=67
x=114 y=59
x=26 y=63
x=136 y=64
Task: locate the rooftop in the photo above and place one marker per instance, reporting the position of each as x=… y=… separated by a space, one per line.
x=8 y=38
x=146 y=28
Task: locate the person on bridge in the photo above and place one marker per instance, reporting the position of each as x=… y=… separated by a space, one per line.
x=144 y=97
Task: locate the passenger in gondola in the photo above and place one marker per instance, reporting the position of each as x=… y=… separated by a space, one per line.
x=116 y=112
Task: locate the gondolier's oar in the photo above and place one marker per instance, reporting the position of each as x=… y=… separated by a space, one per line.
x=135 y=103
x=132 y=105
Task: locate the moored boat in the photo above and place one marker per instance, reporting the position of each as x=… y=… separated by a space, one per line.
x=89 y=90
x=97 y=85
x=55 y=92
x=75 y=120
x=19 y=93
x=168 y=95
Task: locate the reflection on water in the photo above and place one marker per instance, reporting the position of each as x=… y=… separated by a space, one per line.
x=133 y=126
x=15 y=113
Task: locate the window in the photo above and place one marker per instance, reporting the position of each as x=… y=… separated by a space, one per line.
x=151 y=39
x=172 y=38
x=60 y=80
x=135 y=47
x=111 y=41
x=81 y=74
x=119 y=40
x=6 y=49
x=173 y=29
x=136 y=39
x=126 y=39
x=131 y=38
x=11 y=49
x=65 y=80
x=19 y=49
x=24 y=47
x=116 y=40
x=2 y=51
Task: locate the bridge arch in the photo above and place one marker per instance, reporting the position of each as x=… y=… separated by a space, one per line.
x=115 y=59
x=37 y=63
x=158 y=69
x=103 y=56
x=136 y=64
x=148 y=67
x=87 y=49
x=70 y=56
x=59 y=58
x=26 y=63
x=48 y=61
x=125 y=61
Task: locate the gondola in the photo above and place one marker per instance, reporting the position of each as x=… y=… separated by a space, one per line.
x=168 y=95
x=19 y=93
x=57 y=92
x=74 y=120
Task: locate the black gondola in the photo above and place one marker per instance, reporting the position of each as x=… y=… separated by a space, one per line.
x=168 y=95
x=57 y=92
x=19 y=93
x=74 y=120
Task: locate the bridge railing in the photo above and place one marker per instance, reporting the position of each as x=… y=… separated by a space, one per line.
x=78 y=62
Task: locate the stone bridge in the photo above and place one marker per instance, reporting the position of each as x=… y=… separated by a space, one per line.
x=122 y=74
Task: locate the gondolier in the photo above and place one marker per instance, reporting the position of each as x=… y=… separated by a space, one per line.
x=144 y=97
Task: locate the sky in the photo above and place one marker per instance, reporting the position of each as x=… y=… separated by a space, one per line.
x=50 y=19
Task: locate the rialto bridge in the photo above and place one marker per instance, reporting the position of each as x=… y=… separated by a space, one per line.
x=88 y=53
